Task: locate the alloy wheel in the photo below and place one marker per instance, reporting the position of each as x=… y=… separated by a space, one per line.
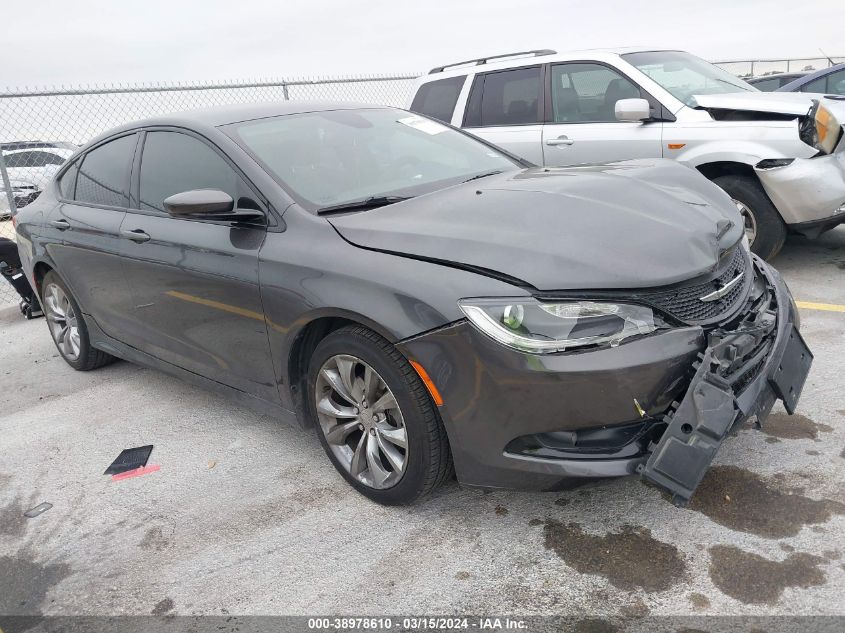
x=361 y=421
x=62 y=320
x=748 y=220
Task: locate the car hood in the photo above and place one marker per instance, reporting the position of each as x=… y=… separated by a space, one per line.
x=791 y=103
x=633 y=224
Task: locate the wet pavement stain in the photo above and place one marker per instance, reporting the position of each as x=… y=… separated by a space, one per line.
x=813 y=453
x=637 y=609
x=24 y=582
x=536 y=522
x=563 y=501
x=628 y=559
x=755 y=506
x=12 y=520
x=793 y=427
x=154 y=540
x=699 y=601
x=501 y=510
x=752 y=579
x=163 y=606
x=463 y=575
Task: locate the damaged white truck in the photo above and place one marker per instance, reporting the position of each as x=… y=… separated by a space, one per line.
x=779 y=156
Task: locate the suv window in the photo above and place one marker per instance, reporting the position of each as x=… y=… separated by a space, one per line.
x=437 y=99
x=104 y=174
x=508 y=97
x=174 y=162
x=587 y=93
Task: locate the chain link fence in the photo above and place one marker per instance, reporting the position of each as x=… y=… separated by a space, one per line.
x=763 y=67
x=40 y=129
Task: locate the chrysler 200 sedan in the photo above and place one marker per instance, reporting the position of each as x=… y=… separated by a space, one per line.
x=424 y=300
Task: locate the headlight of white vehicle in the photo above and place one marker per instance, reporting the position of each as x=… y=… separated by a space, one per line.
x=820 y=129
x=528 y=325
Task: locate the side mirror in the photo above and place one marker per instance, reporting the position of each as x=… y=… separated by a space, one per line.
x=209 y=204
x=632 y=110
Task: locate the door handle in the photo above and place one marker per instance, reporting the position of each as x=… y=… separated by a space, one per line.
x=560 y=140
x=62 y=225
x=136 y=235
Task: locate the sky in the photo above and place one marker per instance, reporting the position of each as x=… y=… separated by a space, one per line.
x=61 y=42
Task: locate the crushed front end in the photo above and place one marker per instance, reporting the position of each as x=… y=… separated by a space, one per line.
x=659 y=404
x=748 y=363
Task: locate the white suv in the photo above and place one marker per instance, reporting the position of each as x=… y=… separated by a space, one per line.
x=778 y=155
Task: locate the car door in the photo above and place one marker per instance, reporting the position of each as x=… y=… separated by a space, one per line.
x=581 y=122
x=195 y=281
x=82 y=233
x=505 y=107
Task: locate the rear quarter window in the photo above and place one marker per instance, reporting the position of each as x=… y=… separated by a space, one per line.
x=437 y=99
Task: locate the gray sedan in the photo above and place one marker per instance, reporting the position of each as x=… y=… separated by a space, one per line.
x=428 y=303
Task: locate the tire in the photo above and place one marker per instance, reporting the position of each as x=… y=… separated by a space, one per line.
x=770 y=228
x=427 y=458
x=76 y=350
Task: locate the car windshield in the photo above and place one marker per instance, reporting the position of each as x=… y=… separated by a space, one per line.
x=685 y=75
x=339 y=157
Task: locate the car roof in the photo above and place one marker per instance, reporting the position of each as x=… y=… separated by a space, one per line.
x=542 y=56
x=207 y=118
x=225 y=115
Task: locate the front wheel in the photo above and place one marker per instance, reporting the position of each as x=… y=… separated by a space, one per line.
x=375 y=418
x=67 y=326
x=764 y=228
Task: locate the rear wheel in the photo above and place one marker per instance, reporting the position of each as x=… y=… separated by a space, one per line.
x=764 y=227
x=67 y=326
x=375 y=418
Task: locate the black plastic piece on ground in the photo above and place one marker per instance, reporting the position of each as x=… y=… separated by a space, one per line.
x=130 y=459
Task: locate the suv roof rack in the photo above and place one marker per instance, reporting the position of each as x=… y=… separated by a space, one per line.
x=483 y=60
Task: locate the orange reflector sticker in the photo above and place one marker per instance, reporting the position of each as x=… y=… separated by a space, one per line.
x=432 y=388
x=676 y=145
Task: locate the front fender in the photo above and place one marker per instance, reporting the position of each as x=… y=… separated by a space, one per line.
x=309 y=272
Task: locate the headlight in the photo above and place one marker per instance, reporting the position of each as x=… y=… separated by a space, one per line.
x=528 y=325
x=820 y=129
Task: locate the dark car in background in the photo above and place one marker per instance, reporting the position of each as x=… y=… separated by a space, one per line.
x=770 y=83
x=421 y=298
x=828 y=81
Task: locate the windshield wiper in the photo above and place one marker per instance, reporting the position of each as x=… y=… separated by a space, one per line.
x=484 y=175
x=361 y=205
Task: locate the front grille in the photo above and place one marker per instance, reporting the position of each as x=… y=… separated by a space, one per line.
x=684 y=303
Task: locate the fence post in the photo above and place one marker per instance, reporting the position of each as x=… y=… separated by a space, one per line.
x=7 y=185
x=285 y=91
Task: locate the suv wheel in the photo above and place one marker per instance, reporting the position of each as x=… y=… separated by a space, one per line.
x=375 y=418
x=764 y=227
x=67 y=326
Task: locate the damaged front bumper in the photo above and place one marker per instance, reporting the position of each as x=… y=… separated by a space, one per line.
x=809 y=193
x=740 y=375
x=536 y=422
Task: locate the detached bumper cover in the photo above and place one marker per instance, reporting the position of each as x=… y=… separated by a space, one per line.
x=740 y=374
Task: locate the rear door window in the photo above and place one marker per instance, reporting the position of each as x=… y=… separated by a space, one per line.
x=104 y=174
x=508 y=97
x=67 y=183
x=437 y=99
